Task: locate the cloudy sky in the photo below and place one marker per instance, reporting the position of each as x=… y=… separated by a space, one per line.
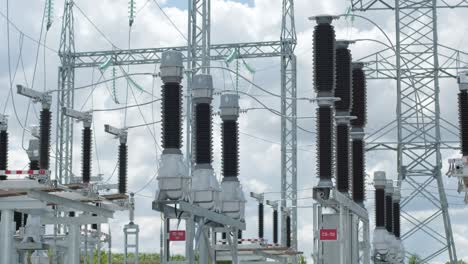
x=102 y=25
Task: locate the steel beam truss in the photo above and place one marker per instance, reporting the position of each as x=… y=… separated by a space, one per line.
x=416 y=67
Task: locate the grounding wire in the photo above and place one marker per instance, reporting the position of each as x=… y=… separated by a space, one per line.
x=95 y=27
x=170 y=20
x=125 y=107
x=27 y=36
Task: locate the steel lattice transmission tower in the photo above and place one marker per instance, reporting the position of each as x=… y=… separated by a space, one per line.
x=65 y=96
x=418 y=122
x=288 y=121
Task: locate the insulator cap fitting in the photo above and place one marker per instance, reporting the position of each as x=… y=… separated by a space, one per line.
x=343 y=44
x=380 y=180
x=3 y=122
x=389 y=187
x=172 y=67
x=463 y=81
x=229 y=106
x=323 y=19
x=202 y=88
x=396 y=195
x=358 y=65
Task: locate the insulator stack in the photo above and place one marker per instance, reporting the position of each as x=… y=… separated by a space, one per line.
x=342 y=157
x=324 y=84
x=44 y=143
x=34 y=165
x=380 y=208
x=86 y=155
x=95 y=226
x=344 y=77
x=171 y=115
x=359 y=104
x=3 y=152
x=389 y=213
x=17 y=216
x=260 y=220
x=122 y=168
x=325 y=143
x=359 y=99
x=230 y=148
x=324 y=57
x=203 y=133
x=396 y=219
x=463 y=115
x=358 y=182
x=224 y=237
x=275 y=227
x=239 y=236
x=288 y=231
x=389 y=192
x=343 y=108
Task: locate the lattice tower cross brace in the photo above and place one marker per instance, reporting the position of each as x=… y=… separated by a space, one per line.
x=65 y=97
x=288 y=122
x=418 y=115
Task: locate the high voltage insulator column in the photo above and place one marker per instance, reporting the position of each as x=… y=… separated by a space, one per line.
x=274 y=206
x=459 y=167
x=173 y=177
x=389 y=220
x=343 y=108
x=3 y=146
x=232 y=195
x=398 y=247
x=122 y=135
x=342 y=224
x=86 y=158
x=380 y=243
x=45 y=124
x=359 y=110
x=205 y=186
x=324 y=83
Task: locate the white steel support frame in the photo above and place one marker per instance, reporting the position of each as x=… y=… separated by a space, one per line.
x=418 y=119
x=288 y=123
x=65 y=97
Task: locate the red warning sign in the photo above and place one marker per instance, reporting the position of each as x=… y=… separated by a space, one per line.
x=177 y=235
x=328 y=234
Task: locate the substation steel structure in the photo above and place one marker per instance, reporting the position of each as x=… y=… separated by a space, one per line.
x=417 y=62
x=199 y=54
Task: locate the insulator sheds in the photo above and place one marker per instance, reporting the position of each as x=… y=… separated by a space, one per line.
x=224 y=237
x=288 y=231
x=34 y=165
x=122 y=168
x=203 y=133
x=171 y=116
x=275 y=227
x=239 y=236
x=389 y=213
x=86 y=155
x=358 y=182
x=342 y=157
x=380 y=208
x=324 y=58
x=359 y=98
x=396 y=219
x=260 y=220
x=3 y=152
x=463 y=116
x=325 y=142
x=44 y=143
x=230 y=148
x=344 y=79
x=19 y=221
